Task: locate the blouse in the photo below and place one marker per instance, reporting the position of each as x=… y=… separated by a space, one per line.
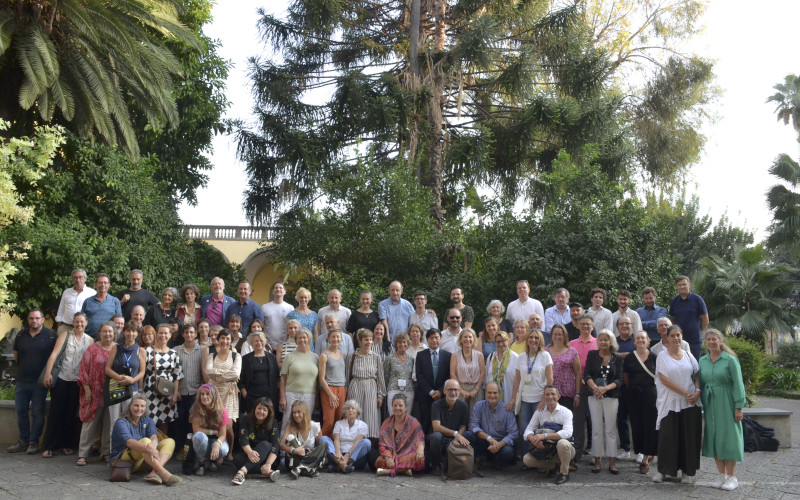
x=532 y=375
x=301 y=370
x=563 y=373
x=681 y=372
x=468 y=372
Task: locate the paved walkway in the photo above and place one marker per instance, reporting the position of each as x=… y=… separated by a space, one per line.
x=763 y=475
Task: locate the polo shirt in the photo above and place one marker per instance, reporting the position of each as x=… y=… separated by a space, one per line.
x=583 y=349
x=686 y=314
x=33 y=353
x=452 y=419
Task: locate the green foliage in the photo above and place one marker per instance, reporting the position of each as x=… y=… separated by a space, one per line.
x=7 y=390
x=783 y=379
x=502 y=89
x=23 y=162
x=789 y=356
x=787 y=99
x=82 y=63
x=751 y=359
x=784 y=202
x=747 y=294
x=98 y=210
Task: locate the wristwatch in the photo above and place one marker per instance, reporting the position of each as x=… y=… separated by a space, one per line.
x=455 y=433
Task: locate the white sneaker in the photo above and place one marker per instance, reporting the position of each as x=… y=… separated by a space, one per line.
x=639 y=458
x=658 y=477
x=720 y=481
x=623 y=455
x=730 y=484
x=687 y=479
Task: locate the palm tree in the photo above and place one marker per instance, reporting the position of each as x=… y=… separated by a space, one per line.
x=82 y=63
x=748 y=295
x=788 y=99
x=785 y=205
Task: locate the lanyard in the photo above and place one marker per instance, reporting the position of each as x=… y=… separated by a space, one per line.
x=127 y=359
x=530 y=365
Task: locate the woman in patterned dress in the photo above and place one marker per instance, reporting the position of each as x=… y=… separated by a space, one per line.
x=223 y=369
x=162 y=362
x=305 y=316
x=398 y=370
x=366 y=386
x=566 y=367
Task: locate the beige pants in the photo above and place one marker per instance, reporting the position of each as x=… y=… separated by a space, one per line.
x=564 y=453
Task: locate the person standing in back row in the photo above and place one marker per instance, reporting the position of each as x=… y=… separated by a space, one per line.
x=688 y=310
x=522 y=308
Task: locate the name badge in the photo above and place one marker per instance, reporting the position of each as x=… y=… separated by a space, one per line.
x=401 y=383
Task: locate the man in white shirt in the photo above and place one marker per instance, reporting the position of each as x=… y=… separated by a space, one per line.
x=623 y=301
x=450 y=335
x=600 y=315
x=552 y=413
x=334 y=306
x=559 y=313
x=663 y=330
x=522 y=308
x=72 y=300
x=275 y=316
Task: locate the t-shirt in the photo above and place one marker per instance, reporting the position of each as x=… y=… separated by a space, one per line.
x=124 y=430
x=301 y=369
x=532 y=375
x=467 y=314
x=687 y=315
x=453 y=418
x=140 y=297
x=275 y=319
x=33 y=353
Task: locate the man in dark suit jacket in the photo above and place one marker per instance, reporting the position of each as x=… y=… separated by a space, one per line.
x=429 y=387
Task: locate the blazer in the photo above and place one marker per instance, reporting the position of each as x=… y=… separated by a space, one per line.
x=424 y=370
x=246 y=374
x=226 y=301
x=592 y=371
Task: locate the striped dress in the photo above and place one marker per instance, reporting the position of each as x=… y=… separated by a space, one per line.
x=366 y=384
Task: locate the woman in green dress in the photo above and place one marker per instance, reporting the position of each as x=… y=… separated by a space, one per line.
x=723 y=399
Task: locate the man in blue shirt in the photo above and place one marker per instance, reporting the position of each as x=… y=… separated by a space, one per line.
x=100 y=307
x=492 y=430
x=247 y=308
x=649 y=314
x=689 y=311
x=394 y=311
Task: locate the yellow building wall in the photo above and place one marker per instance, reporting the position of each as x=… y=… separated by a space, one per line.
x=236 y=251
x=7 y=322
x=262 y=283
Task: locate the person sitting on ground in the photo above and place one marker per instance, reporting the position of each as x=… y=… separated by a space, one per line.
x=449 y=417
x=301 y=442
x=493 y=430
x=259 y=437
x=551 y=423
x=209 y=423
x=402 y=442
x=348 y=448
x=135 y=439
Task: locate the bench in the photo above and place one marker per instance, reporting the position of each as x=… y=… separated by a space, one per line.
x=780 y=420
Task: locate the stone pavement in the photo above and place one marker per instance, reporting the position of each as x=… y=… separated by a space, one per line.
x=763 y=475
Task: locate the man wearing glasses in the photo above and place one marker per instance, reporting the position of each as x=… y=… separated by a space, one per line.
x=450 y=335
x=450 y=417
x=216 y=305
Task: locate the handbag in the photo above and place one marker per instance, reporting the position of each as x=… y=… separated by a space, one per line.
x=547 y=453
x=164 y=387
x=113 y=391
x=56 y=365
x=121 y=471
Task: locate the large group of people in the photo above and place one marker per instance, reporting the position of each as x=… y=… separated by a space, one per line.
x=137 y=380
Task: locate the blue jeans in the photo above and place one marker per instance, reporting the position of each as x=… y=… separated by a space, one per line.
x=203 y=450
x=33 y=395
x=358 y=455
x=526 y=411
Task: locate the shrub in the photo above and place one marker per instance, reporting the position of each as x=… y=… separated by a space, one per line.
x=785 y=380
x=751 y=359
x=789 y=356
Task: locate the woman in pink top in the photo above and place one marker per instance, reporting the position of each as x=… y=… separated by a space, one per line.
x=467 y=366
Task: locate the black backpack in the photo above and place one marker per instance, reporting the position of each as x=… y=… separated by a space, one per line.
x=757 y=437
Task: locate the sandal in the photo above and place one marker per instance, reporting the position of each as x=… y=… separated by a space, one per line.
x=81 y=461
x=613 y=471
x=644 y=468
x=47 y=454
x=67 y=451
x=238 y=479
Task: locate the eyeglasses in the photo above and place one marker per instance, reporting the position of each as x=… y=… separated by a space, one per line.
x=451 y=389
x=455 y=317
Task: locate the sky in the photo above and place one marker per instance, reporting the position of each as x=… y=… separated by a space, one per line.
x=751 y=45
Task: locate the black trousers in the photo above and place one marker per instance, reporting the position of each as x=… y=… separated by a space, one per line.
x=264 y=448
x=63 y=425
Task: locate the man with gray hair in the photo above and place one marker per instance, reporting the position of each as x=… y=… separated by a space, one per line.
x=331 y=324
x=334 y=306
x=135 y=295
x=559 y=313
x=449 y=418
x=72 y=300
x=663 y=330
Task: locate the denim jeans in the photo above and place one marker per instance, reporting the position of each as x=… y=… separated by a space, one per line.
x=33 y=395
x=359 y=454
x=203 y=450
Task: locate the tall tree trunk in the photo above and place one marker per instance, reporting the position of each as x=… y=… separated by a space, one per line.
x=437 y=138
x=413 y=38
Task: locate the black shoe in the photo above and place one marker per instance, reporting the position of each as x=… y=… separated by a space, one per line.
x=213 y=466
x=561 y=479
x=437 y=471
x=17 y=447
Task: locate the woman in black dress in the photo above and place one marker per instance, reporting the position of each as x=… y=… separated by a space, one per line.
x=260 y=375
x=363 y=317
